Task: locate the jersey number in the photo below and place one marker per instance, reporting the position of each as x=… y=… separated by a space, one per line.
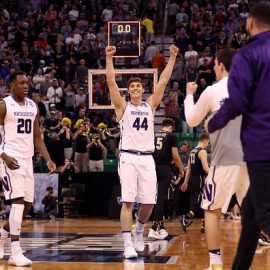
x=139 y=125
x=159 y=143
x=192 y=158
x=24 y=126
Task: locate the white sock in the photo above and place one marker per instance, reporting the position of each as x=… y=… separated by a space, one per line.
x=15 y=247
x=15 y=218
x=127 y=238
x=215 y=257
x=139 y=227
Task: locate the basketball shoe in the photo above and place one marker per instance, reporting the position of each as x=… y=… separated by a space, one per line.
x=129 y=251
x=154 y=234
x=138 y=240
x=215 y=266
x=163 y=233
x=263 y=241
x=185 y=223
x=17 y=258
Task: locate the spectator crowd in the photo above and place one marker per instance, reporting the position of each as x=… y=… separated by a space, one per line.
x=56 y=42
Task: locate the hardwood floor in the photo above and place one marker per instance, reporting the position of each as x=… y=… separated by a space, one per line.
x=95 y=244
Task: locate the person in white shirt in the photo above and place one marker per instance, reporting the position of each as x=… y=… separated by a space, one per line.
x=228 y=173
x=190 y=52
x=107 y=14
x=136 y=164
x=150 y=52
x=55 y=94
x=73 y=14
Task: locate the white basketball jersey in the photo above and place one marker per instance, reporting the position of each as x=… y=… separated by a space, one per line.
x=17 y=133
x=137 y=128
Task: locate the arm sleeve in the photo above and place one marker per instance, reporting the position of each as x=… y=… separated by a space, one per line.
x=239 y=87
x=195 y=113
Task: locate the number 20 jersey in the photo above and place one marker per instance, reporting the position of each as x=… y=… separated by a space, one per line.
x=17 y=133
x=137 y=128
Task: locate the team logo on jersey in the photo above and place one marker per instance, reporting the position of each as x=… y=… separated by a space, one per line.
x=30 y=103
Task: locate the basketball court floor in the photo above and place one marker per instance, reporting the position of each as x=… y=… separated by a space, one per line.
x=96 y=244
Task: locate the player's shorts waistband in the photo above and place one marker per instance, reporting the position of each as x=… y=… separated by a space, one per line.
x=139 y=153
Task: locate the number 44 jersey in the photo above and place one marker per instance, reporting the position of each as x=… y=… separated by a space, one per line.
x=17 y=133
x=137 y=128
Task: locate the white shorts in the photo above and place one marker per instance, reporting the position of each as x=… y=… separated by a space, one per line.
x=138 y=178
x=18 y=183
x=222 y=183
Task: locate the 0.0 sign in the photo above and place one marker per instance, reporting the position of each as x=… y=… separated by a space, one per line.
x=123 y=28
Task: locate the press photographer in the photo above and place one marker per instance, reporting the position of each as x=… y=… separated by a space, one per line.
x=113 y=134
x=50 y=203
x=97 y=154
x=68 y=175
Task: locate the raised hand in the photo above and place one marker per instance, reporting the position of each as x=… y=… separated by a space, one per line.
x=110 y=50
x=191 y=88
x=173 y=50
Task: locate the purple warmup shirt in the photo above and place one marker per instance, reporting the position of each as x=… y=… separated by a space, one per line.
x=249 y=95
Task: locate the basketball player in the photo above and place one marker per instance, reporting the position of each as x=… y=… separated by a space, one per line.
x=136 y=164
x=196 y=173
x=20 y=133
x=166 y=151
x=249 y=96
x=228 y=173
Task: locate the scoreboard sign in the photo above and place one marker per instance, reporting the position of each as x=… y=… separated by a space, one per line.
x=126 y=37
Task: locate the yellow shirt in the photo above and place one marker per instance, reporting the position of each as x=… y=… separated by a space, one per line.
x=149 y=24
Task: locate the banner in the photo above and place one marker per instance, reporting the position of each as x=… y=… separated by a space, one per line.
x=42 y=181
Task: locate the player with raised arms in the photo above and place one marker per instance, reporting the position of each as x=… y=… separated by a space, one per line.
x=136 y=164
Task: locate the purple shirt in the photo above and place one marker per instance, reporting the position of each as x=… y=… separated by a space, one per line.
x=249 y=95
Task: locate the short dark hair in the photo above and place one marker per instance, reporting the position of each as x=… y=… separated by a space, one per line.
x=49 y=188
x=260 y=12
x=203 y=137
x=13 y=76
x=135 y=79
x=168 y=122
x=225 y=57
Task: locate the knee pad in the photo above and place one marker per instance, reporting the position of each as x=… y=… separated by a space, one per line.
x=15 y=218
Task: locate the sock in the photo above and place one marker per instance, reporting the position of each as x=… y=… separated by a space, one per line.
x=126 y=237
x=215 y=256
x=161 y=225
x=139 y=227
x=155 y=226
x=4 y=234
x=15 y=246
x=15 y=218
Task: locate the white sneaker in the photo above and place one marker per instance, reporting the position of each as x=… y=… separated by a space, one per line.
x=215 y=267
x=2 y=253
x=163 y=233
x=138 y=240
x=154 y=234
x=17 y=258
x=130 y=252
